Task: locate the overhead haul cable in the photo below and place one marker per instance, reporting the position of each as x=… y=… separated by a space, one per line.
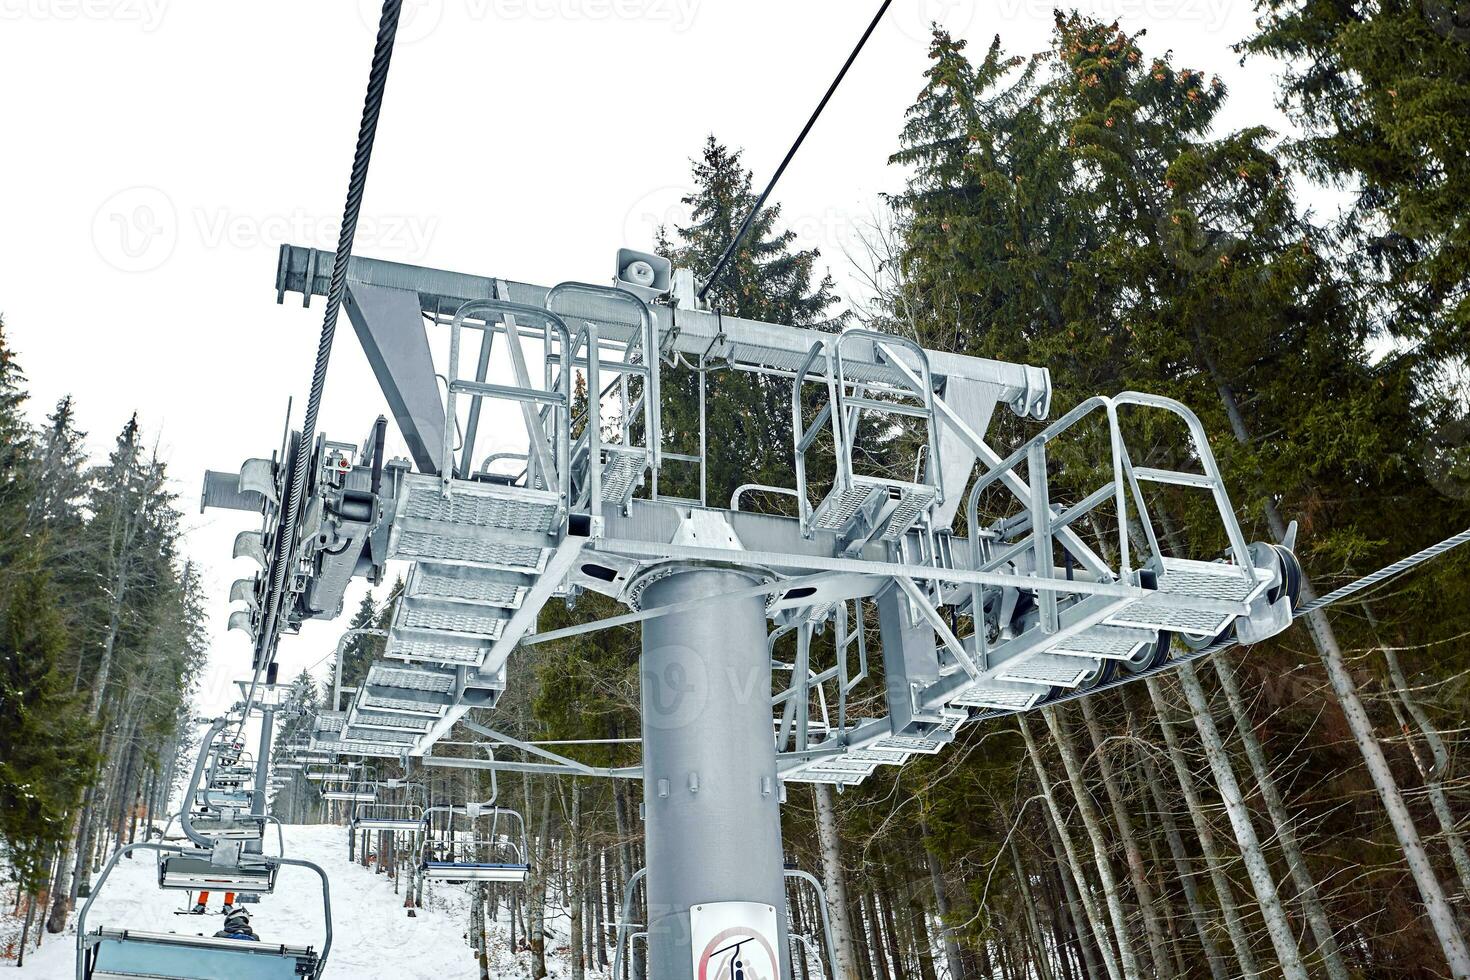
x=760 y=202
x=286 y=533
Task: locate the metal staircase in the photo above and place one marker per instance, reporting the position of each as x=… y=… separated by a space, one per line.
x=863 y=507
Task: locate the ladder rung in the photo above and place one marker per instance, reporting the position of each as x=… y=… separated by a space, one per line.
x=1175 y=477
x=483 y=388
x=894 y=408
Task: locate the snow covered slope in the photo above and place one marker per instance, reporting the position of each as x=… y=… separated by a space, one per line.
x=374 y=936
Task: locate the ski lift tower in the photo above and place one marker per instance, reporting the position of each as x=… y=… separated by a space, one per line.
x=1058 y=585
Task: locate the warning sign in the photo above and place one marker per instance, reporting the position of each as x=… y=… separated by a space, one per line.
x=735 y=941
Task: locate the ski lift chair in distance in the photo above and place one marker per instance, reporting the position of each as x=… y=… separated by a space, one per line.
x=126 y=954
x=472 y=857
x=356 y=789
x=402 y=817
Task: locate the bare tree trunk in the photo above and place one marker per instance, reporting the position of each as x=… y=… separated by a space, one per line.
x=875 y=938
x=1432 y=771
x=1183 y=871
x=1087 y=939
x=1277 y=925
x=482 y=951
x=1324 y=638
x=835 y=876
x=941 y=906
x=576 y=896
x=1131 y=851
x=1092 y=823
x=1028 y=903
x=923 y=945
x=1296 y=862
x=1074 y=863
x=636 y=964
x=1225 y=894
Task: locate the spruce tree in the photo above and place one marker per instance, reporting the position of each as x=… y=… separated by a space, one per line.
x=16 y=464
x=1382 y=91
x=768 y=279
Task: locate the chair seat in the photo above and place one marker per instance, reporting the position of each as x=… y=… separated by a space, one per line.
x=454 y=871
x=125 y=954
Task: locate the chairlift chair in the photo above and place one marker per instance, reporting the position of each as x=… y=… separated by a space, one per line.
x=216 y=799
x=465 y=852
x=406 y=816
x=127 y=954
x=192 y=869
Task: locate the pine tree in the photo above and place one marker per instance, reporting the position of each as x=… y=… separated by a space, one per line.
x=1382 y=90
x=16 y=471
x=48 y=753
x=768 y=279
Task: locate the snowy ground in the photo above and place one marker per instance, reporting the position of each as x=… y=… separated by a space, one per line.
x=374 y=936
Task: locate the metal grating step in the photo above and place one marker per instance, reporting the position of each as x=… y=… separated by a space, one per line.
x=386 y=702
x=622 y=472
x=428 y=648
x=444 y=546
x=453 y=618
x=1108 y=642
x=930 y=743
x=368 y=719
x=464 y=583
x=911 y=506
x=839 y=507
x=410 y=679
x=1184 y=578
x=827 y=776
x=1046 y=668
x=476 y=505
x=1008 y=697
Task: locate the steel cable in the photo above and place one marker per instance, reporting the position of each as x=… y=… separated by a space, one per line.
x=356 y=186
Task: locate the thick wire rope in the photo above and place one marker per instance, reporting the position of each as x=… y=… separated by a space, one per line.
x=760 y=202
x=362 y=156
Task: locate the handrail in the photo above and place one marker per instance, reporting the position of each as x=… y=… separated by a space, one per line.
x=561 y=398
x=999 y=470
x=171 y=849
x=523 y=849
x=801 y=436
x=826 y=920
x=882 y=341
x=638 y=876
x=649 y=325
x=199 y=763
x=745 y=488
x=1206 y=458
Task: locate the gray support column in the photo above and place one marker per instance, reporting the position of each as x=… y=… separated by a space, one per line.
x=262 y=774
x=711 y=797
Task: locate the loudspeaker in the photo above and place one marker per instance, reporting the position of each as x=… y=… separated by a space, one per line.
x=644 y=274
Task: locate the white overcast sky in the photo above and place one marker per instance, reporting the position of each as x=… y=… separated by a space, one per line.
x=156 y=153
